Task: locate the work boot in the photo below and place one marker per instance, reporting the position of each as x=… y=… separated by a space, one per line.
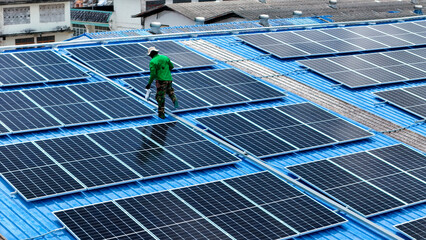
x=161 y=115
x=176 y=104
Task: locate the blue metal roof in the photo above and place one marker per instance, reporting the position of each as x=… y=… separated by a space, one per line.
x=20 y=219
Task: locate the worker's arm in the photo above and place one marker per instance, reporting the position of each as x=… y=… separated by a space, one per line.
x=171 y=65
x=152 y=74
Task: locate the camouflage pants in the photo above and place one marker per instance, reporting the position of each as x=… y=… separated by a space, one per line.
x=164 y=87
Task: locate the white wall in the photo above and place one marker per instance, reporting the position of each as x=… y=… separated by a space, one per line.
x=59 y=36
x=170 y=18
x=35 y=20
x=122 y=16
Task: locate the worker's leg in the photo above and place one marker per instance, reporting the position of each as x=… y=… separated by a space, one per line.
x=171 y=92
x=160 y=97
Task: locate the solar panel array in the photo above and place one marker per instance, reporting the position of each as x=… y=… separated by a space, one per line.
x=411 y=99
x=44 y=108
x=414 y=229
x=292 y=44
x=112 y=60
x=373 y=68
x=36 y=67
x=53 y=167
x=255 y=206
x=271 y=131
x=203 y=89
x=370 y=182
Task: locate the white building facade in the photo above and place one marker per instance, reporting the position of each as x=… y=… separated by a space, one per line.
x=34 y=22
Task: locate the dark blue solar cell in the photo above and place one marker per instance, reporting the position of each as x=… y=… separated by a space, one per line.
x=324 y=174
x=193 y=80
x=322 y=65
x=313 y=48
x=19 y=76
x=261 y=144
x=341 y=130
x=257 y=91
x=402 y=186
x=213 y=198
x=229 y=124
x=259 y=39
x=263 y=188
x=306 y=112
x=229 y=76
x=414 y=229
x=220 y=95
x=275 y=118
x=189 y=60
x=99 y=221
x=302 y=136
x=40 y=182
x=22 y=156
x=418 y=91
x=28 y=119
x=365 y=165
x=400 y=97
x=401 y=156
x=170 y=134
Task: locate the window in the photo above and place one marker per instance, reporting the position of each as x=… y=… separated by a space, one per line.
x=52 y=13
x=153 y=4
x=181 y=1
x=16 y=15
x=78 y=29
x=23 y=41
x=45 y=39
x=102 y=29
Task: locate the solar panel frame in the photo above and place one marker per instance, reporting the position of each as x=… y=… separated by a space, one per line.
x=235 y=138
x=398 y=100
x=61 y=67
x=410 y=229
x=362 y=180
x=360 y=38
x=370 y=69
x=210 y=218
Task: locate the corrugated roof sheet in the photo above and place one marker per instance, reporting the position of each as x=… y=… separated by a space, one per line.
x=20 y=219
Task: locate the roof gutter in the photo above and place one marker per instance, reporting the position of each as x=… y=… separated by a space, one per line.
x=216 y=32
x=373 y=226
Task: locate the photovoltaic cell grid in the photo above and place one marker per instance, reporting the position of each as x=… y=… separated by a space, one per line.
x=272 y=131
x=411 y=99
x=372 y=69
x=36 y=67
x=414 y=229
x=255 y=206
x=370 y=182
x=113 y=60
x=292 y=44
x=203 y=89
x=52 y=167
x=45 y=108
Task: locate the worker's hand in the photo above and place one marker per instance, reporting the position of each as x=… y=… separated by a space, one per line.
x=148 y=86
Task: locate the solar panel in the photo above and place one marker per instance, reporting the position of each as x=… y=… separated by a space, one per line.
x=104 y=61
x=66 y=106
x=111 y=100
x=19 y=114
x=14 y=72
x=122 y=59
x=370 y=69
x=226 y=209
x=292 y=44
x=414 y=229
x=51 y=65
x=289 y=128
x=211 y=88
x=38 y=169
x=411 y=99
x=370 y=182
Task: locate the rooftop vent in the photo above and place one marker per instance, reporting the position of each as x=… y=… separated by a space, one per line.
x=297 y=13
x=264 y=20
x=332 y=4
x=199 y=20
x=418 y=9
x=155 y=27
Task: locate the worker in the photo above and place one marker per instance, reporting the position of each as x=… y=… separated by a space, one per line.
x=160 y=67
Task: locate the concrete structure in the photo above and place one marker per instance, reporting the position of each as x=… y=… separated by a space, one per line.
x=27 y=22
x=247 y=10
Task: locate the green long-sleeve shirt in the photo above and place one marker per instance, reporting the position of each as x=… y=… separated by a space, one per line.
x=160 y=67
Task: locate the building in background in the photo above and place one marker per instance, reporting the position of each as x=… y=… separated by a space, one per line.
x=32 y=21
